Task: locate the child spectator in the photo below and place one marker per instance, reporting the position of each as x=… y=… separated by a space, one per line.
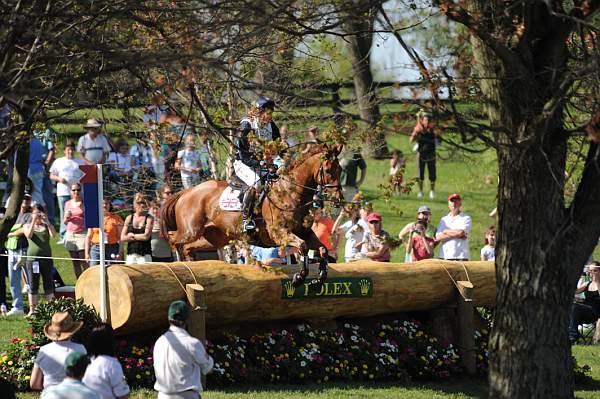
x=353 y=230
x=421 y=244
x=397 y=164
x=38 y=232
x=105 y=375
x=488 y=252
x=192 y=163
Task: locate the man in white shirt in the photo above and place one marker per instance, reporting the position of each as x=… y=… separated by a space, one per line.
x=65 y=171
x=72 y=387
x=93 y=147
x=453 y=232
x=179 y=358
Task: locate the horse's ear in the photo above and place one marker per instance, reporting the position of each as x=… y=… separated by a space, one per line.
x=336 y=149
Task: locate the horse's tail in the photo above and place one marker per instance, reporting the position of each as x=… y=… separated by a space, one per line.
x=167 y=214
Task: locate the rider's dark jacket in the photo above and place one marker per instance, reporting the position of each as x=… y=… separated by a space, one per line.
x=245 y=152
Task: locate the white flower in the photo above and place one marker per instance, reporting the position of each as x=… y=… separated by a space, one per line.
x=347 y=325
x=354 y=338
x=301 y=327
x=303 y=363
x=311 y=334
x=284 y=332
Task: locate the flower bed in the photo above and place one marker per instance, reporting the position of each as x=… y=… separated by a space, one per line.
x=397 y=350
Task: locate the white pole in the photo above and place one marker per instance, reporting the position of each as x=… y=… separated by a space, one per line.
x=103 y=302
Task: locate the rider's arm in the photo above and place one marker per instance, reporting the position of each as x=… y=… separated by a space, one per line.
x=243 y=148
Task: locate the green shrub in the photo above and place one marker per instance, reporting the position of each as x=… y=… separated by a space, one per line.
x=75 y=307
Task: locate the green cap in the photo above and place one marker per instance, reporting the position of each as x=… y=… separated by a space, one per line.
x=76 y=360
x=179 y=310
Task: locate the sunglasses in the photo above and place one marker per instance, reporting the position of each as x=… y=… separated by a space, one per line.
x=76 y=190
x=374 y=222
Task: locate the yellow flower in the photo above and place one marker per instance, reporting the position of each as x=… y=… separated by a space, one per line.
x=381 y=334
x=138 y=376
x=419 y=333
x=326 y=378
x=336 y=370
x=141 y=361
x=27 y=377
x=10 y=363
x=4 y=358
x=147 y=372
x=371 y=376
x=365 y=366
x=301 y=375
x=226 y=364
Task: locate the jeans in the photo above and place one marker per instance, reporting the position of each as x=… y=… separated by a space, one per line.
x=110 y=253
x=191 y=181
x=37 y=195
x=14 y=274
x=48 y=193
x=62 y=199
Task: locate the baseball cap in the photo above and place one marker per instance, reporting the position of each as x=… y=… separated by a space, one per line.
x=76 y=360
x=454 y=197
x=374 y=216
x=178 y=310
x=424 y=209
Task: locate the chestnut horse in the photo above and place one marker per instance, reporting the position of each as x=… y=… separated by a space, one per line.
x=194 y=213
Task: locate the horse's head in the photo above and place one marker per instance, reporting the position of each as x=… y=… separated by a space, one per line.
x=329 y=173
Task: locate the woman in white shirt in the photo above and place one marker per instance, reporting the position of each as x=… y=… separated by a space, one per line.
x=353 y=230
x=105 y=374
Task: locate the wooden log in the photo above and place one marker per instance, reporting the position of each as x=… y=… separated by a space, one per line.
x=196 y=323
x=139 y=295
x=466 y=327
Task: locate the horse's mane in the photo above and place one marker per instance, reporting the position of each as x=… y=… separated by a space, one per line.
x=314 y=150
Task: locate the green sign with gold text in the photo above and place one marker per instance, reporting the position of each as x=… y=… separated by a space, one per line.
x=336 y=287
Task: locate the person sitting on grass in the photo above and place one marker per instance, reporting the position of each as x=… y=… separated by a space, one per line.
x=72 y=387
x=48 y=368
x=587 y=311
x=105 y=374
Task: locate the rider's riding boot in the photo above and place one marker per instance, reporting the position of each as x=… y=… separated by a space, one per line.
x=299 y=278
x=318 y=282
x=247 y=211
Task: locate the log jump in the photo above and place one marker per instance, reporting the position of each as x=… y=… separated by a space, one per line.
x=139 y=295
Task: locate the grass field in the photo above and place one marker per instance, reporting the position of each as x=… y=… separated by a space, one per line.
x=474 y=177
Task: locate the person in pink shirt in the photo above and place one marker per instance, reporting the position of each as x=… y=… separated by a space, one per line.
x=76 y=231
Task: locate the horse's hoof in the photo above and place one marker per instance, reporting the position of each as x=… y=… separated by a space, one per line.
x=249 y=225
x=298 y=279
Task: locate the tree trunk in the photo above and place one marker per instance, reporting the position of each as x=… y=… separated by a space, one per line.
x=541 y=245
x=19 y=179
x=360 y=28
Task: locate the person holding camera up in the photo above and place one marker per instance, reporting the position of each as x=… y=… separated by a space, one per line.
x=38 y=233
x=421 y=245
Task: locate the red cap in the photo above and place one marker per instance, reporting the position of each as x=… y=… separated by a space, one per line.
x=454 y=197
x=374 y=216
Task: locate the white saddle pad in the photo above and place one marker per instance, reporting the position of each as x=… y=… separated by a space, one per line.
x=229 y=200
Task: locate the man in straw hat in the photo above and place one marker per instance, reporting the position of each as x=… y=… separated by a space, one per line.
x=93 y=146
x=179 y=358
x=71 y=387
x=48 y=369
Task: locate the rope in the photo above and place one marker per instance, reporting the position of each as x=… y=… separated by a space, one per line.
x=454 y=281
x=177 y=278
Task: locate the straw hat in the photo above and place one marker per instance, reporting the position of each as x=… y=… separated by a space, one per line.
x=61 y=327
x=91 y=123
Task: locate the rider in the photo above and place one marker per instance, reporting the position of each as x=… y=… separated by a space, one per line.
x=249 y=155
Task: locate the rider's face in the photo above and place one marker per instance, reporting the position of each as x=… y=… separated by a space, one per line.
x=266 y=115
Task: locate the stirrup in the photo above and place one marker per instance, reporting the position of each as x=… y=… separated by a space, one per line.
x=249 y=225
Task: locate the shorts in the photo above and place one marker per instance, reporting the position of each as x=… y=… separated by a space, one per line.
x=133 y=259
x=74 y=242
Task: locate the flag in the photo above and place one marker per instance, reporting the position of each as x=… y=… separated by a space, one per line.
x=89 y=183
